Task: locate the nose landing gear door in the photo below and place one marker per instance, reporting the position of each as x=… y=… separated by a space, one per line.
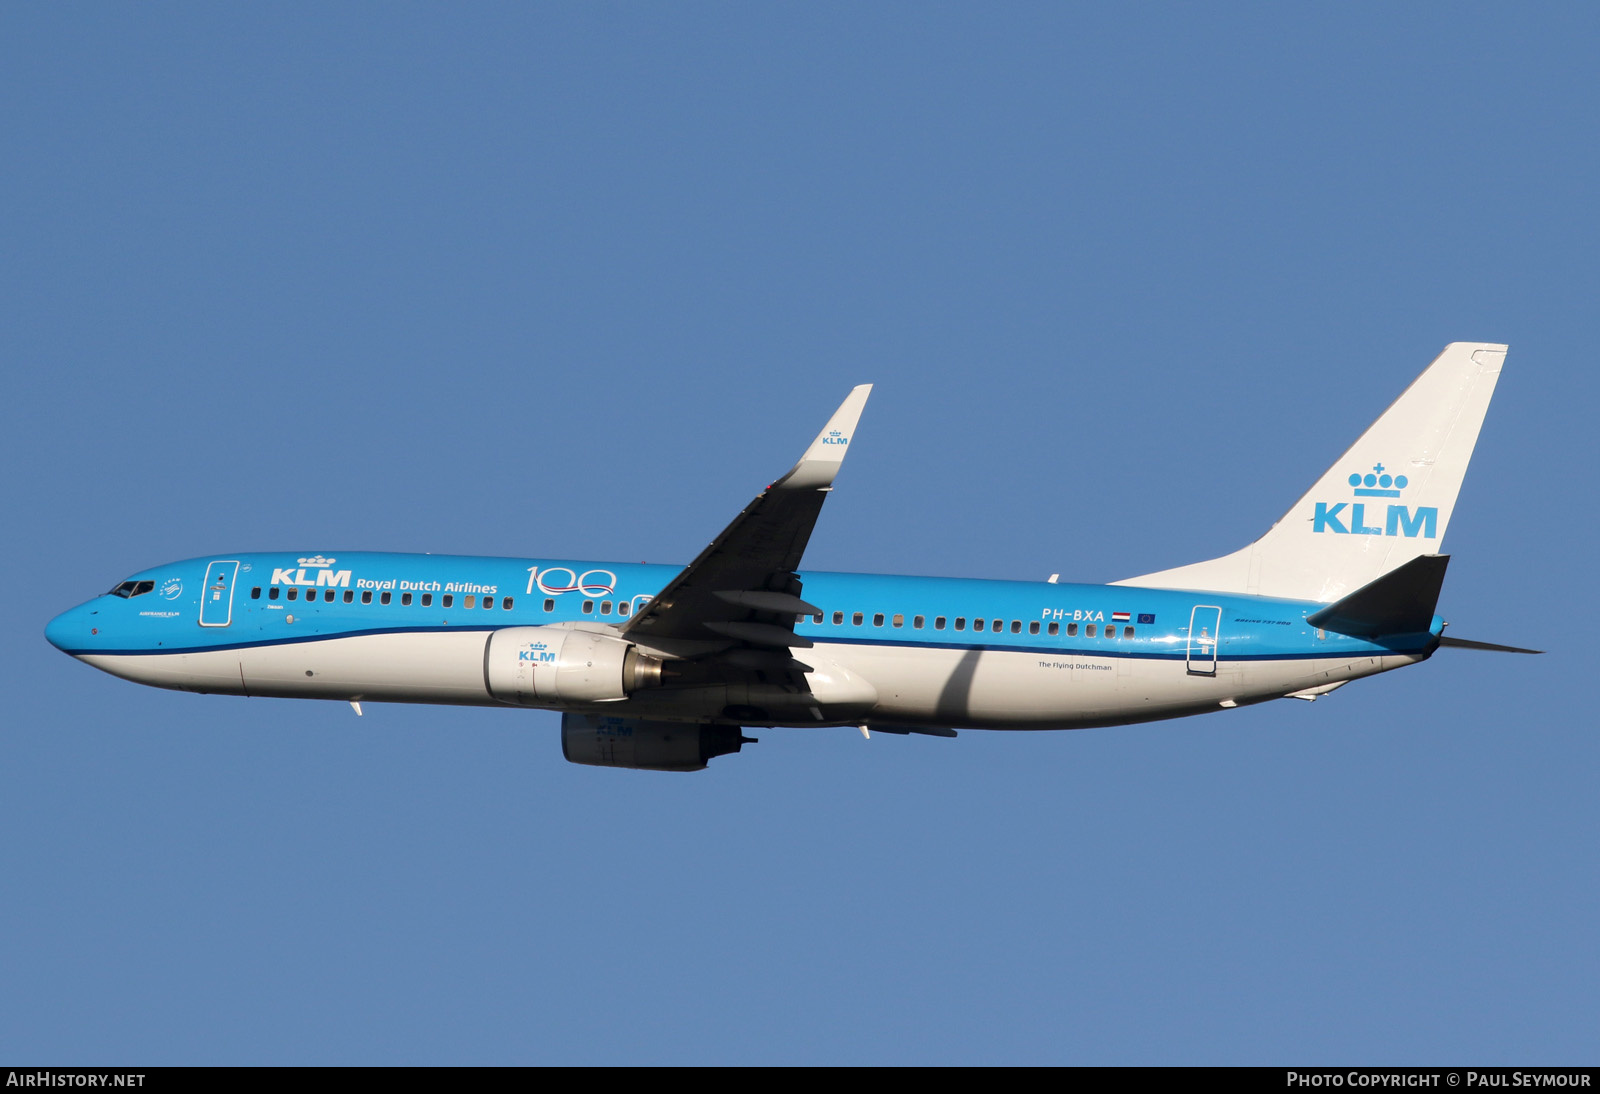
x=216 y=599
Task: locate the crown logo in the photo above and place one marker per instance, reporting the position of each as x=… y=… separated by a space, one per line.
x=1377 y=483
x=318 y=560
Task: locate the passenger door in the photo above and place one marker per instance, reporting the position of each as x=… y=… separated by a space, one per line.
x=216 y=599
x=1205 y=621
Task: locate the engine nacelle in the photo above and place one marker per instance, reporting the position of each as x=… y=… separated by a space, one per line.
x=603 y=741
x=545 y=666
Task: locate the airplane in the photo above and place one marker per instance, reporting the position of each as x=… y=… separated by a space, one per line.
x=664 y=667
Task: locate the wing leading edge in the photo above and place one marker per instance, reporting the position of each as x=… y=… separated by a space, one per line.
x=741 y=595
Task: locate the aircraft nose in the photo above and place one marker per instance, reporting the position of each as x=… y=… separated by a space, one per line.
x=67 y=631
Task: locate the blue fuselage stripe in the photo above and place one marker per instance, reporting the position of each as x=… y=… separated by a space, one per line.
x=166 y=620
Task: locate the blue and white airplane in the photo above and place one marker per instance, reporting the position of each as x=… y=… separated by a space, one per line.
x=662 y=667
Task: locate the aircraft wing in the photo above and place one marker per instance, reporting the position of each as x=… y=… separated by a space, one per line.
x=742 y=593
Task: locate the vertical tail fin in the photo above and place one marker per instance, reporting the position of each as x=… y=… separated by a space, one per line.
x=1387 y=501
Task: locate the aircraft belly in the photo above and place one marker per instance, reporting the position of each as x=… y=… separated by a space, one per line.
x=978 y=688
x=1011 y=690
x=208 y=671
x=403 y=668
x=407 y=667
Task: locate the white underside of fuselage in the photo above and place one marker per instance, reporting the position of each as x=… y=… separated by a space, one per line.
x=915 y=686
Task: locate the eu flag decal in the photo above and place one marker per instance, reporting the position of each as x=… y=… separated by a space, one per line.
x=1146 y=618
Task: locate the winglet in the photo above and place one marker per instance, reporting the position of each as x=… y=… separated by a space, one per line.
x=822 y=460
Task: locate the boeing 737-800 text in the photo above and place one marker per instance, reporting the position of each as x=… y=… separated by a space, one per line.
x=662 y=667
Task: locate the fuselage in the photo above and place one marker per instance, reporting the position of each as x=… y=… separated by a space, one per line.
x=916 y=651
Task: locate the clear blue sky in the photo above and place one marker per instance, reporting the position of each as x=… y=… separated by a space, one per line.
x=578 y=281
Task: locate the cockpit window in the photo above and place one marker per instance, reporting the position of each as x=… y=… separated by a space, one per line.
x=133 y=588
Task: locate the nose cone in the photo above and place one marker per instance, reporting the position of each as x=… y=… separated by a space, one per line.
x=69 y=631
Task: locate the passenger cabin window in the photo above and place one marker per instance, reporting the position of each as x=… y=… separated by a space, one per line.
x=328 y=596
x=427 y=599
x=938 y=622
x=817 y=618
x=838 y=618
x=505 y=603
x=550 y=604
x=588 y=605
x=386 y=597
x=998 y=625
x=1055 y=628
x=350 y=596
x=405 y=599
x=1016 y=626
x=1072 y=630
x=488 y=602
x=294 y=594
x=877 y=620
x=1127 y=632
x=255 y=593
x=961 y=623
x=899 y=620
x=366 y=596
x=272 y=593
x=605 y=607
x=624 y=607
x=856 y=619
x=448 y=600
x=1089 y=630
x=469 y=601
x=1033 y=628
x=977 y=625
x=916 y=622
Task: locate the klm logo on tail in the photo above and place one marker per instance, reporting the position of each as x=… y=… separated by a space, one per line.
x=1398 y=520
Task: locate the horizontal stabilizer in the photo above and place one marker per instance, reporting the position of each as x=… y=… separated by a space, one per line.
x=1469 y=644
x=1399 y=602
x=902 y=731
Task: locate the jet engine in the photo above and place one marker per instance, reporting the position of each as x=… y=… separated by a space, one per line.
x=545 y=666
x=603 y=741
